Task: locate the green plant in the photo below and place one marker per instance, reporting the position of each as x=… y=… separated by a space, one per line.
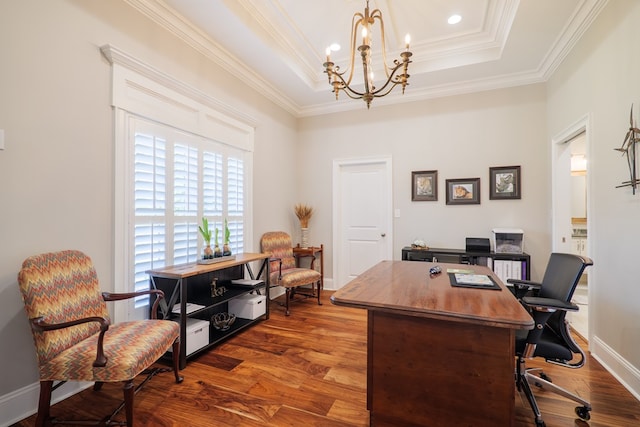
x=216 y=236
x=227 y=233
x=204 y=230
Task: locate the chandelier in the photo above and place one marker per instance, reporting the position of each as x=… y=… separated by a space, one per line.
x=396 y=74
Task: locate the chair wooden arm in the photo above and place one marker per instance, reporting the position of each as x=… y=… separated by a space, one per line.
x=110 y=296
x=39 y=324
x=273 y=259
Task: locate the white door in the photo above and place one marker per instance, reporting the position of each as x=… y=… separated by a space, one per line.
x=362 y=195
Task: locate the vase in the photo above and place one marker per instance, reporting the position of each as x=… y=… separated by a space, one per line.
x=208 y=252
x=304 y=237
x=226 y=250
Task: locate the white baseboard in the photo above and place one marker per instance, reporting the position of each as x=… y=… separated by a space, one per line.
x=620 y=368
x=23 y=403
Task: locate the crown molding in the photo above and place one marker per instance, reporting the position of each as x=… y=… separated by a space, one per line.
x=167 y=18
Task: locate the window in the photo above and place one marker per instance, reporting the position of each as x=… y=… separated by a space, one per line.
x=179 y=155
x=178 y=179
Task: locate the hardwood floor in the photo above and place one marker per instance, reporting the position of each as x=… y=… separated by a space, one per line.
x=309 y=369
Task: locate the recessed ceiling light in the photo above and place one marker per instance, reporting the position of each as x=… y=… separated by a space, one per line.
x=454 y=19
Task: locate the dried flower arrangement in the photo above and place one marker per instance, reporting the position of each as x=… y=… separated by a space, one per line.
x=303 y=212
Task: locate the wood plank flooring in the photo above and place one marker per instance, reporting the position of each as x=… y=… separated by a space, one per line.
x=309 y=369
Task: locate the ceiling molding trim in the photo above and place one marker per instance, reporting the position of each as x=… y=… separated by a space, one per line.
x=170 y=20
x=580 y=21
x=433 y=92
x=300 y=56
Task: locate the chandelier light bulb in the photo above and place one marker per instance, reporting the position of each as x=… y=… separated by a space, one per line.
x=407 y=40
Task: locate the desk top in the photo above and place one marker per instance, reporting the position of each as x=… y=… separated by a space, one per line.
x=405 y=287
x=192 y=269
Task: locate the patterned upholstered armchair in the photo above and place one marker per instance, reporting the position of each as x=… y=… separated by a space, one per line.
x=283 y=270
x=73 y=335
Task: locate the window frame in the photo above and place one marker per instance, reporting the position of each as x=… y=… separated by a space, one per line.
x=140 y=91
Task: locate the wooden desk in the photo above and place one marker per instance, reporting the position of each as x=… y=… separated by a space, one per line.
x=437 y=355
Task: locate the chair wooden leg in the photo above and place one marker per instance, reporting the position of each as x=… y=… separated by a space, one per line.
x=318 y=287
x=97 y=386
x=129 y=391
x=286 y=304
x=44 y=403
x=176 y=361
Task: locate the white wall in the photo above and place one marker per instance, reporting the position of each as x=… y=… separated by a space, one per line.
x=56 y=171
x=460 y=137
x=601 y=77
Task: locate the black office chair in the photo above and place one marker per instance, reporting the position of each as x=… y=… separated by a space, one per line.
x=548 y=303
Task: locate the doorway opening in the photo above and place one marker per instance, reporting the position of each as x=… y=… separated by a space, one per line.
x=571 y=209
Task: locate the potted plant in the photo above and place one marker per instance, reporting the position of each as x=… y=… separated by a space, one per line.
x=206 y=236
x=226 y=251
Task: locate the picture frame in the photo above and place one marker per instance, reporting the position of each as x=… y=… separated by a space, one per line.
x=504 y=183
x=424 y=186
x=463 y=191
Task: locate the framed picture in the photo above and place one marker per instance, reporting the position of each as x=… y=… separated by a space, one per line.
x=424 y=186
x=465 y=191
x=504 y=182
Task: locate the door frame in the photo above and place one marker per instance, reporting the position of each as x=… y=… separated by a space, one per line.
x=579 y=126
x=338 y=164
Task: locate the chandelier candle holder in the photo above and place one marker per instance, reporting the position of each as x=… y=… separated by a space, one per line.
x=396 y=74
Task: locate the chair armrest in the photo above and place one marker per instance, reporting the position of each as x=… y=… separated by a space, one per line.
x=541 y=310
x=110 y=296
x=40 y=325
x=521 y=286
x=548 y=304
x=274 y=259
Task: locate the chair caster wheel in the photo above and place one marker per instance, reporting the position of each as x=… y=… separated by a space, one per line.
x=583 y=413
x=540 y=423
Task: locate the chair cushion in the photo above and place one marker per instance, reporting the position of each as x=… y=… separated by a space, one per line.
x=549 y=346
x=295 y=277
x=130 y=347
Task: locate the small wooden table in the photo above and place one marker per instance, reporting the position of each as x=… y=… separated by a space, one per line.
x=311 y=251
x=437 y=355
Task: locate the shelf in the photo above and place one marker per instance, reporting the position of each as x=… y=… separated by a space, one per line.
x=191 y=283
x=461 y=256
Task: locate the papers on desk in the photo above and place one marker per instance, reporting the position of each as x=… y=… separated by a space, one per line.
x=479 y=281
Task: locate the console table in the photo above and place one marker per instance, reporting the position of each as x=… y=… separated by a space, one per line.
x=191 y=284
x=437 y=355
x=498 y=262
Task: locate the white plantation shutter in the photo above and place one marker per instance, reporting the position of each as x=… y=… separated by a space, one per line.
x=178 y=179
